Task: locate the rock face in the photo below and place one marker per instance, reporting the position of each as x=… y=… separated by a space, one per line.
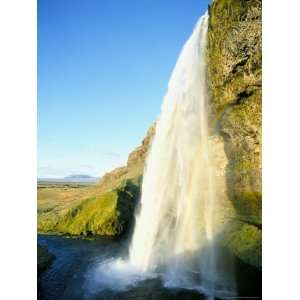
x=151 y=289
x=135 y=165
x=44 y=259
x=234 y=77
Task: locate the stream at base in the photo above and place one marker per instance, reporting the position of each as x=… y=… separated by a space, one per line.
x=79 y=272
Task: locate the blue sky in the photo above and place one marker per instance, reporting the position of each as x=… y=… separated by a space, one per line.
x=103 y=69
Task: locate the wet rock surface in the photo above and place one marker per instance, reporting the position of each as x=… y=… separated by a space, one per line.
x=234 y=60
x=151 y=290
x=44 y=258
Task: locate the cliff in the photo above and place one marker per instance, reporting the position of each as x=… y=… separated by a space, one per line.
x=133 y=169
x=104 y=209
x=234 y=78
x=95 y=212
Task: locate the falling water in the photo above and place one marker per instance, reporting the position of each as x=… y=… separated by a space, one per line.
x=174 y=236
x=177 y=195
x=174 y=232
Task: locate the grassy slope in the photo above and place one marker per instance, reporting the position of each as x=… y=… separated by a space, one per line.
x=86 y=210
x=56 y=200
x=103 y=208
x=60 y=197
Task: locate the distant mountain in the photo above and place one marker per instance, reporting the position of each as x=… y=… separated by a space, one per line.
x=81 y=176
x=76 y=178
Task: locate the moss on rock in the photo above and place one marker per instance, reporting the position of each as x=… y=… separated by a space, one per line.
x=234 y=78
x=241 y=129
x=244 y=241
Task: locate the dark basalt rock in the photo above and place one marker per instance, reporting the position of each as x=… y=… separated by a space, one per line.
x=44 y=259
x=151 y=289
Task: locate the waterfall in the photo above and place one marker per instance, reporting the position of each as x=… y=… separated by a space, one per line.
x=174 y=232
x=177 y=193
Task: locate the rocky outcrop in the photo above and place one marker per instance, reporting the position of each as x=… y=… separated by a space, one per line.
x=44 y=259
x=234 y=77
x=133 y=169
x=151 y=289
x=106 y=209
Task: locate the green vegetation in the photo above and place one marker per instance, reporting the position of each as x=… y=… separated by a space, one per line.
x=241 y=127
x=90 y=212
x=244 y=241
x=234 y=50
x=105 y=208
x=234 y=77
x=56 y=200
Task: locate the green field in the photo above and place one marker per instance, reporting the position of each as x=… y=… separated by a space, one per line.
x=80 y=209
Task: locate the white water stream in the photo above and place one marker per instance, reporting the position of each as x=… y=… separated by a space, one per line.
x=174 y=231
x=177 y=204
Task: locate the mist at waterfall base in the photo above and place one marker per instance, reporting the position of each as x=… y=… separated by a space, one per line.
x=174 y=235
